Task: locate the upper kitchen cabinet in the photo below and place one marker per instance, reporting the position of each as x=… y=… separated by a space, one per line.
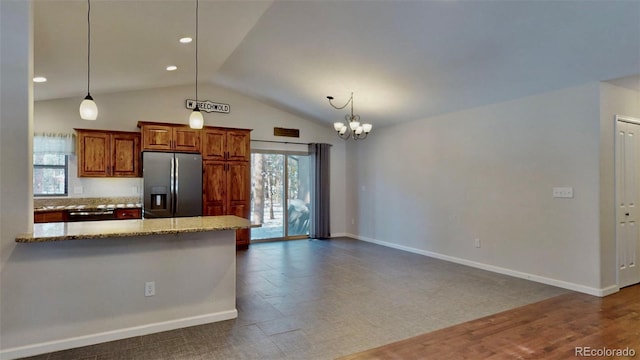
x=103 y=153
x=169 y=137
x=226 y=144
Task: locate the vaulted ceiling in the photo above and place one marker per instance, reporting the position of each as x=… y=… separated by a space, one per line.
x=403 y=60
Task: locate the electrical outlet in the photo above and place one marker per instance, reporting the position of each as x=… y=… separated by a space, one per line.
x=353 y=221
x=149 y=288
x=476 y=243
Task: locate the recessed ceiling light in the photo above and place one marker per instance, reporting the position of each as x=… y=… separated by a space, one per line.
x=171 y=68
x=186 y=40
x=39 y=79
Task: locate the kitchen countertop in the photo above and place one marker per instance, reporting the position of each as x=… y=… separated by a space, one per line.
x=85 y=230
x=87 y=207
x=88 y=204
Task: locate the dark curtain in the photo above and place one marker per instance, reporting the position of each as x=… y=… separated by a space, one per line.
x=320 y=218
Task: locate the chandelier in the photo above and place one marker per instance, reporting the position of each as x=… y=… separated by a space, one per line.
x=351 y=126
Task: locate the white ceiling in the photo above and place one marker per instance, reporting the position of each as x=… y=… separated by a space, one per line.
x=404 y=60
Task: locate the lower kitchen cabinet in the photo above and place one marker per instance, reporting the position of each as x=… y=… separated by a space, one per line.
x=226 y=191
x=49 y=216
x=122 y=214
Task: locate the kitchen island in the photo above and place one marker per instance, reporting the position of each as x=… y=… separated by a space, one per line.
x=84 y=230
x=92 y=280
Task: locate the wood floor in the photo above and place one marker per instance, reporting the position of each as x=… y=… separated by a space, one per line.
x=551 y=329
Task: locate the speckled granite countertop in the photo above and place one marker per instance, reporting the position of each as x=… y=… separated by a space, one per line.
x=44 y=204
x=85 y=230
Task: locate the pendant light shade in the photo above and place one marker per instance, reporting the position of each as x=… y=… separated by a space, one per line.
x=88 y=107
x=196 y=120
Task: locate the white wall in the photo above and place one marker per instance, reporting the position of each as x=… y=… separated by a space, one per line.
x=16 y=70
x=433 y=186
x=614 y=101
x=122 y=111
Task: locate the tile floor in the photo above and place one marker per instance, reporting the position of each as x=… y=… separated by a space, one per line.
x=320 y=299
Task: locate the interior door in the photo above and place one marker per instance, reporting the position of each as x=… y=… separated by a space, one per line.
x=627 y=214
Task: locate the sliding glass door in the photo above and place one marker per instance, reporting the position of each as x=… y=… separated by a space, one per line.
x=280 y=195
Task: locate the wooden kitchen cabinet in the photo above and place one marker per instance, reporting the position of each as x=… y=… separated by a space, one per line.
x=169 y=137
x=49 y=216
x=227 y=171
x=103 y=153
x=227 y=192
x=225 y=144
x=135 y=213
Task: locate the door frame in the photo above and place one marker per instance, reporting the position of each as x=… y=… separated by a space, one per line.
x=617 y=120
x=285 y=199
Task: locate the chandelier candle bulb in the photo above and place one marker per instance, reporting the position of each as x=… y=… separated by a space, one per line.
x=338 y=126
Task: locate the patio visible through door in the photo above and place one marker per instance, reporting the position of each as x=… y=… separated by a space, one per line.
x=280 y=195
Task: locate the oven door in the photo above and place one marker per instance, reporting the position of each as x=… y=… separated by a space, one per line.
x=91 y=215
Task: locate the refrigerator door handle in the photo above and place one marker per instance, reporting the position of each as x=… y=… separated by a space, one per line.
x=172 y=185
x=176 y=185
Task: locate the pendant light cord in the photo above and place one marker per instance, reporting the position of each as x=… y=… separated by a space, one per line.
x=88 y=44
x=197 y=3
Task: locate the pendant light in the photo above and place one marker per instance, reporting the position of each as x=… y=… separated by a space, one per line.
x=196 y=121
x=88 y=108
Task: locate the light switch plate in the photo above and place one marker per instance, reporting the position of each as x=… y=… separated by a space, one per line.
x=563 y=192
x=77 y=189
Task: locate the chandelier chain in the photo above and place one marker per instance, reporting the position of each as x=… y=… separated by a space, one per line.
x=343 y=106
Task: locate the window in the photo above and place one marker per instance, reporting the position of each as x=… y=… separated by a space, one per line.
x=49 y=174
x=50 y=163
x=280 y=195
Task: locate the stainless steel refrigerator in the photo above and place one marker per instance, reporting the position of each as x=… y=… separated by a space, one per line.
x=172 y=184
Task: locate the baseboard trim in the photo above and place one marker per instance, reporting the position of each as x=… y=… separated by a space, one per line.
x=74 y=342
x=336 y=235
x=497 y=269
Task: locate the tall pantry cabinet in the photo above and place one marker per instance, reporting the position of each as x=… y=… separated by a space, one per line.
x=226 y=155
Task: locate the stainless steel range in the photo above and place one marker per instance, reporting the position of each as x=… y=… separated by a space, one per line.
x=91 y=214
